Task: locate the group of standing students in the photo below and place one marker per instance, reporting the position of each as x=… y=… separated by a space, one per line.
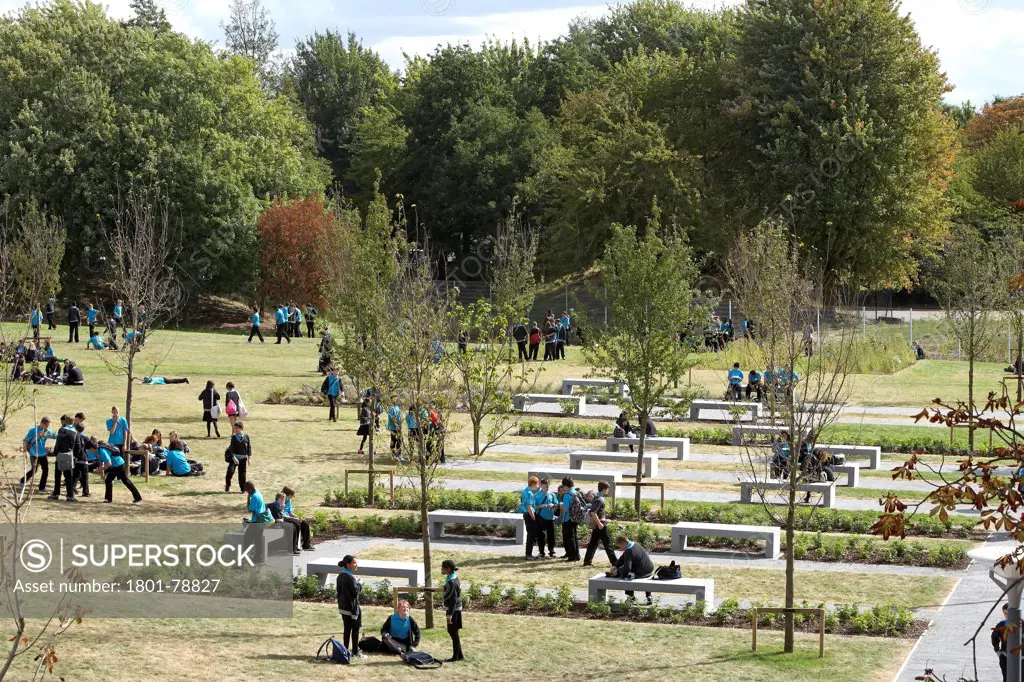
x=287 y=321
x=349 y=587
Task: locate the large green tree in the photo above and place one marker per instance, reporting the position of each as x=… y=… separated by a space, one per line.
x=91 y=107
x=842 y=104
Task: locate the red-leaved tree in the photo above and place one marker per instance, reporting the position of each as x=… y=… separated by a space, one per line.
x=294 y=238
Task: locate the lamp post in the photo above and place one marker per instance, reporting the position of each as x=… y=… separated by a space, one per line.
x=1006 y=576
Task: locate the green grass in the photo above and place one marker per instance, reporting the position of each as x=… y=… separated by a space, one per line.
x=496 y=646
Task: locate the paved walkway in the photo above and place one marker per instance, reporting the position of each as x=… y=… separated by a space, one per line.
x=941 y=647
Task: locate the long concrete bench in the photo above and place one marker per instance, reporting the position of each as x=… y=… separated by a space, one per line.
x=742 y=431
x=826 y=490
x=523 y=399
x=702 y=589
x=436 y=521
x=852 y=472
x=650 y=467
x=621 y=388
x=752 y=409
x=681 y=445
x=770 y=534
x=408 y=570
x=873 y=453
x=590 y=475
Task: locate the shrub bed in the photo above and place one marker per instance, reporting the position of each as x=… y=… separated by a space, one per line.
x=881 y=621
x=807 y=546
x=808 y=519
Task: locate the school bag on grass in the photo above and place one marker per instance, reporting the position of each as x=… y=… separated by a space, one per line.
x=336 y=652
x=370 y=645
x=421 y=660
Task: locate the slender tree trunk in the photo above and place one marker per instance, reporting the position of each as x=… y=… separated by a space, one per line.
x=970 y=391
x=644 y=418
x=425 y=531
x=371 y=491
x=477 y=425
x=128 y=393
x=794 y=469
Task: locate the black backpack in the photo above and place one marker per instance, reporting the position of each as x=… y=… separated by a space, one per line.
x=421 y=660
x=670 y=572
x=370 y=645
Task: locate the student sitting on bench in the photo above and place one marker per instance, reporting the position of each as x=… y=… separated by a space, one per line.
x=634 y=563
x=735 y=382
x=401 y=628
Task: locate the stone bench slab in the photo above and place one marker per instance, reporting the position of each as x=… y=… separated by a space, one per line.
x=827 y=490
x=520 y=401
x=702 y=589
x=650 y=466
x=753 y=409
x=591 y=475
x=770 y=534
x=873 y=453
x=681 y=445
x=620 y=388
x=436 y=521
x=411 y=571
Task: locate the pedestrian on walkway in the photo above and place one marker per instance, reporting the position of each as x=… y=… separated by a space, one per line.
x=598 y=526
x=570 y=536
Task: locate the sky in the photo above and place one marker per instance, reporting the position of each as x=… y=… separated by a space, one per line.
x=980 y=42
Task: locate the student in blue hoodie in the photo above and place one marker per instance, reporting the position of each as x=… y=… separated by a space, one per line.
x=281 y=320
x=546 y=503
x=735 y=382
x=255 y=330
x=529 y=511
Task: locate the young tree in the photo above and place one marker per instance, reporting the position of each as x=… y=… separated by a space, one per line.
x=513 y=259
x=293 y=237
x=250 y=32
x=143 y=255
x=361 y=291
x=776 y=287
x=969 y=286
x=36 y=252
x=651 y=296
x=420 y=323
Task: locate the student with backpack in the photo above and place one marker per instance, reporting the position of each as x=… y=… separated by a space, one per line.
x=233 y=404
x=401 y=628
x=332 y=388
x=66 y=448
x=598 y=526
x=574 y=513
x=534 y=340
x=348 y=588
x=113 y=466
x=237 y=456
x=452 y=598
x=211 y=408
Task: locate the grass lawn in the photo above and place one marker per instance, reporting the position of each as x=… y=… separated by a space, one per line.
x=743 y=584
x=228 y=650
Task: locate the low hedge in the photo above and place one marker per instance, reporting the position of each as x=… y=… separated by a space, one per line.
x=807 y=546
x=887 y=620
x=906 y=441
x=808 y=518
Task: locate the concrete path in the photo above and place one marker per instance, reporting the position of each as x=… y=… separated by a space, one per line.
x=941 y=647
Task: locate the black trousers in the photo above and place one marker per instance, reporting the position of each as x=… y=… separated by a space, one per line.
x=301 y=531
x=35 y=332
x=120 y=474
x=1002 y=666
x=309 y=328
x=533 y=535
x=396 y=443
x=72 y=332
x=282 y=333
x=37 y=463
x=82 y=476
x=69 y=482
x=599 y=537
x=255 y=331
x=534 y=347
x=49 y=321
x=547 y=531
x=232 y=467
x=570 y=540
x=549 y=351
x=453 y=632
x=524 y=354
x=352 y=626
x=333 y=401
x=560 y=350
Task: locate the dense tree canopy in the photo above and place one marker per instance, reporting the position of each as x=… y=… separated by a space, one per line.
x=90 y=107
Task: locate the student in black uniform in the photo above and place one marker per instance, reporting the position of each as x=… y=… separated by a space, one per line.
x=634 y=563
x=237 y=456
x=596 y=518
x=311 y=313
x=74 y=319
x=348 y=588
x=453 y=607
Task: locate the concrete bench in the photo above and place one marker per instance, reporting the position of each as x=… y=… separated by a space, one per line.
x=874 y=454
x=408 y=570
x=752 y=409
x=681 y=445
x=621 y=388
x=702 y=589
x=650 y=467
x=852 y=472
x=523 y=399
x=436 y=521
x=770 y=534
x=276 y=540
x=741 y=431
x=827 y=490
x=590 y=475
